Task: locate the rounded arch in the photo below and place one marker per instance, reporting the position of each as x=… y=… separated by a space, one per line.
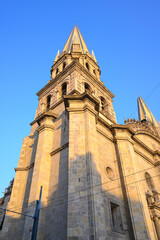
x=87 y=87
x=48 y=101
x=64 y=65
x=87 y=66
x=103 y=102
x=64 y=88
x=94 y=71
x=57 y=71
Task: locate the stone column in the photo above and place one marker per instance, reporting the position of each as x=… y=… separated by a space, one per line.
x=126 y=156
x=86 y=218
x=41 y=173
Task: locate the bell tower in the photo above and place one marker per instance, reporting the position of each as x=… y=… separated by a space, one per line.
x=74 y=71
x=61 y=152
x=100 y=179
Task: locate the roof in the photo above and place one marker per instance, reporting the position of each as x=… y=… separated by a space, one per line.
x=146 y=114
x=75 y=38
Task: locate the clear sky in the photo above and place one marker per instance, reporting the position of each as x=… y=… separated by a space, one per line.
x=125 y=37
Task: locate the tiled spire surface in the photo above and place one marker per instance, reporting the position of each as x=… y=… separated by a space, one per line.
x=75 y=38
x=146 y=114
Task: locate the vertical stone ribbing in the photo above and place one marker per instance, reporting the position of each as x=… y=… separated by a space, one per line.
x=41 y=175
x=126 y=158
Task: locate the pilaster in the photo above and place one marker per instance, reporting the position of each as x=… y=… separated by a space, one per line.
x=85 y=221
x=41 y=172
x=126 y=156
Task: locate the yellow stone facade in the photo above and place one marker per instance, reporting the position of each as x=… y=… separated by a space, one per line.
x=101 y=180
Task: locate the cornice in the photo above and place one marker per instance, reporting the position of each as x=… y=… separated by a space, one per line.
x=24 y=168
x=105 y=135
x=59 y=149
x=104 y=122
x=124 y=127
x=81 y=97
x=144 y=156
x=60 y=60
x=98 y=82
x=49 y=113
x=145 y=146
x=84 y=109
x=148 y=133
x=124 y=139
x=74 y=65
x=56 y=104
x=44 y=127
x=135 y=139
x=157 y=163
x=61 y=76
x=69 y=55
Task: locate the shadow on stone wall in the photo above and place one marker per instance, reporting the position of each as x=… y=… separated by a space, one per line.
x=80 y=206
x=13 y=225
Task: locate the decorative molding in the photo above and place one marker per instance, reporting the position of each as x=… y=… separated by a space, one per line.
x=104 y=134
x=24 y=168
x=157 y=163
x=84 y=109
x=144 y=156
x=124 y=139
x=148 y=134
x=104 y=122
x=121 y=126
x=49 y=113
x=44 y=127
x=135 y=139
x=75 y=65
x=82 y=96
x=145 y=146
x=59 y=149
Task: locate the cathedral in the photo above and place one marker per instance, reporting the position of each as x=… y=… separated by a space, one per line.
x=100 y=179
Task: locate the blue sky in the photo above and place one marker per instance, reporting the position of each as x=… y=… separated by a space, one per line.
x=125 y=37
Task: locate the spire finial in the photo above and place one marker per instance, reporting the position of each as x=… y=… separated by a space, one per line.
x=75 y=38
x=146 y=114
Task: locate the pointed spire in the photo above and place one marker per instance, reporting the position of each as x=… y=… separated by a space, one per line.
x=93 y=55
x=56 y=58
x=75 y=38
x=146 y=114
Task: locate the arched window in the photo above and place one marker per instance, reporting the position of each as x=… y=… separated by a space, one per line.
x=87 y=87
x=103 y=101
x=64 y=65
x=57 y=70
x=94 y=71
x=87 y=65
x=64 y=88
x=48 y=101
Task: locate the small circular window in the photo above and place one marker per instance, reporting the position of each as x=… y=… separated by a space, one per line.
x=109 y=173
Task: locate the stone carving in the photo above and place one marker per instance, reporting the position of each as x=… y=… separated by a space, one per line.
x=149 y=197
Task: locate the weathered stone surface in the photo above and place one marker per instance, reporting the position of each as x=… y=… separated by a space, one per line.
x=93 y=171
